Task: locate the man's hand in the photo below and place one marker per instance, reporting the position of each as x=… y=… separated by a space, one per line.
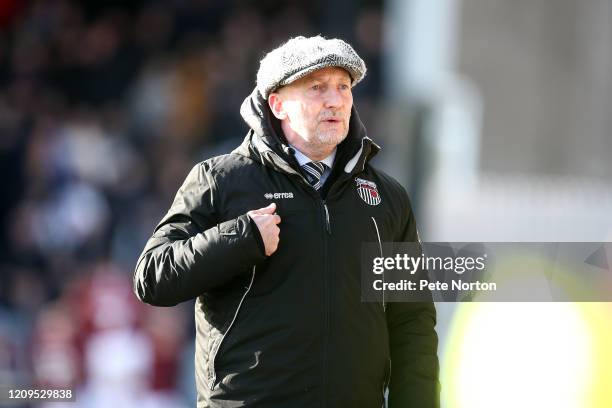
x=267 y=223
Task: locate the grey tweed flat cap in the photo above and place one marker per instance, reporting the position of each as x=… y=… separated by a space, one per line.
x=300 y=56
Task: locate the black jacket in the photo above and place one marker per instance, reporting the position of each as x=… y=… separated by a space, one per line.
x=290 y=330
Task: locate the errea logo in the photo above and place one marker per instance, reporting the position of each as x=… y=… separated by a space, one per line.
x=276 y=196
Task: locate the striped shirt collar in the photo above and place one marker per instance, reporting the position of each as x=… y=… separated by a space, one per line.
x=303 y=159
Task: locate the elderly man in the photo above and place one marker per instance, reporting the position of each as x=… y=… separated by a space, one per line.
x=267 y=239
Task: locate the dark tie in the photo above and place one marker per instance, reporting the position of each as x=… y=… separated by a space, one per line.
x=314 y=170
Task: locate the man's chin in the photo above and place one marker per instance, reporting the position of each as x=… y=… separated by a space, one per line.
x=332 y=138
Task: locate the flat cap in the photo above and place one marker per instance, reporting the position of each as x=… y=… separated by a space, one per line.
x=300 y=56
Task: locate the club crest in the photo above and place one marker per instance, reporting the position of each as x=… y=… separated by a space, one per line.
x=367 y=191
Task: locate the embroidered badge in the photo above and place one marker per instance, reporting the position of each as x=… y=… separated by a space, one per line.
x=367 y=191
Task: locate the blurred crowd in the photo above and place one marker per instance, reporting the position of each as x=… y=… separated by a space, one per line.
x=104 y=108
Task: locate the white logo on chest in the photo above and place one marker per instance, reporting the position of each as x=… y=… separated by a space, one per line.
x=276 y=196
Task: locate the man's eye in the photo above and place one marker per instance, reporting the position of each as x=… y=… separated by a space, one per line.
x=316 y=87
x=344 y=87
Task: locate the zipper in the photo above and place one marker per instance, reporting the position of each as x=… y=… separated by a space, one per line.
x=327 y=299
x=246 y=292
x=327 y=223
x=384 y=305
x=386 y=384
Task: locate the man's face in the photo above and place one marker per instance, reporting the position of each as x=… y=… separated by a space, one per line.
x=317 y=108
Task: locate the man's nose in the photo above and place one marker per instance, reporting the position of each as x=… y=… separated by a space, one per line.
x=333 y=97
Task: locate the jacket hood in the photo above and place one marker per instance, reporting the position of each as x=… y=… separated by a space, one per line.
x=265 y=141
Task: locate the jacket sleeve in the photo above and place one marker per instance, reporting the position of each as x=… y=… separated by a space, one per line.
x=413 y=344
x=189 y=253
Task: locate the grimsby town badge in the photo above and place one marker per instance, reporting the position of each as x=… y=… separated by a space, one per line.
x=367 y=191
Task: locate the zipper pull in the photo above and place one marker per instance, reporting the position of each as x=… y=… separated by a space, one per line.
x=327 y=223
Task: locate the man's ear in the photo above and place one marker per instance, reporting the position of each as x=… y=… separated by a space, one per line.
x=275 y=102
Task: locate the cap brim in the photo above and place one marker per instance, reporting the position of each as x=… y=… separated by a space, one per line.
x=355 y=76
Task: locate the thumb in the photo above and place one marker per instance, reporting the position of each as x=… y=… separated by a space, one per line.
x=266 y=210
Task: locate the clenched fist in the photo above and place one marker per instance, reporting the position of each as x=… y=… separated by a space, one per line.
x=267 y=223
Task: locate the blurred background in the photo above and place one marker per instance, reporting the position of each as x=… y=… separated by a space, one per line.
x=495 y=114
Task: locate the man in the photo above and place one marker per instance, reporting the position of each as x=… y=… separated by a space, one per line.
x=267 y=238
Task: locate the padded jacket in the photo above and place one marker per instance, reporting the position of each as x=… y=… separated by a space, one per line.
x=290 y=330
